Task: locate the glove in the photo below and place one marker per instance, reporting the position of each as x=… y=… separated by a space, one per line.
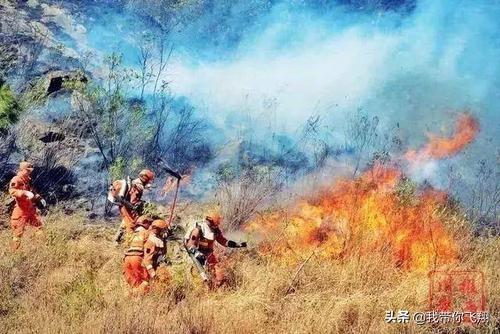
x=29 y=195
x=234 y=244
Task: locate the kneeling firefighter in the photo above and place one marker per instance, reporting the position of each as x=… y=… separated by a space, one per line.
x=143 y=256
x=199 y=242
x=128 y=196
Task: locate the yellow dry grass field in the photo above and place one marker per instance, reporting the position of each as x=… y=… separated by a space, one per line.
x=69 y=281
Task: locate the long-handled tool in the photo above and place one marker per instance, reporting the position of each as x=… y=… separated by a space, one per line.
x=178 y=178
x=205 y=277
x=199 y=267
x=174 y=202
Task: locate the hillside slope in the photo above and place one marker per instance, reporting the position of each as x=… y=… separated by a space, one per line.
x=69 y=281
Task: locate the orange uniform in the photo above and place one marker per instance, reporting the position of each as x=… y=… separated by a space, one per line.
x=141 y=258
x=25 y=212
x=128 y=195
x=133 y=194
x=133 y=270
x=200 y=241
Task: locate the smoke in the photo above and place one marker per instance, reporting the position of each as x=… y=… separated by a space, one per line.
x=335 y=74
x=408 y=67
x=412 y=69
x=268 y=66
x=257 y=70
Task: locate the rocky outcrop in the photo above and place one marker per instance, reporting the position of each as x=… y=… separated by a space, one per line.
x=29 y=46
x=55 y=81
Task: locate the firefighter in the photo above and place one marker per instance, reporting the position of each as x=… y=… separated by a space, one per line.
x=26 y=200
x=143 y=223
x=142 y=257
x=200 y=239
x=128 y=196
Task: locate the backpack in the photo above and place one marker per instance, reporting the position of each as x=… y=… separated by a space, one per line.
x=119 y=188
x=205 y=231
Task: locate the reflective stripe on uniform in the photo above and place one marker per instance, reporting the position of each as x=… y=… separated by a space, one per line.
x=134 y=252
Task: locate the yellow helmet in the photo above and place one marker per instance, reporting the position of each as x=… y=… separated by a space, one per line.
x=159 y=224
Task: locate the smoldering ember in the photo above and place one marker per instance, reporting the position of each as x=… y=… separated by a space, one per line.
x=201 y=166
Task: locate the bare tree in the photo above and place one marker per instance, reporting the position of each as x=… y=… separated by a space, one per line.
x=182 y=139
x=146 y=68
x=361 y=135
x=485 y=193
x=161 y=98
x=314 y=140
x=242 y=195
x=480 y=194
x=116 y=125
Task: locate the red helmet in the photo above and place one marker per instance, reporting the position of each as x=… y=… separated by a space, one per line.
x=147 y=176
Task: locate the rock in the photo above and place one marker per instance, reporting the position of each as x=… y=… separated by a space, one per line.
x=56 y=80
x=51 y=136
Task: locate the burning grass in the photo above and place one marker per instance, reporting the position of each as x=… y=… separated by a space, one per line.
x=373 y=213
x=70 y=281
x=333 y=262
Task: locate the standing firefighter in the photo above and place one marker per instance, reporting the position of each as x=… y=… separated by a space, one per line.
x=26 y=201
x=142 y=257
x=128 y=196
x=199 y=242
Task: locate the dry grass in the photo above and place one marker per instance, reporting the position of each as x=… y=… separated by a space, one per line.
x=70 y=281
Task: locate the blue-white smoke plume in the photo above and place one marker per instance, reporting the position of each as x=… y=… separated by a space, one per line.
x=260 y=69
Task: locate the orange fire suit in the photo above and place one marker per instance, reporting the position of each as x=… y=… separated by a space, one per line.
x=203 y=237
x=25 y=212
x=141 y=258
x=133 y=194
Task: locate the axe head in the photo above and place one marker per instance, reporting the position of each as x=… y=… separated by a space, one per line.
x=169 y=170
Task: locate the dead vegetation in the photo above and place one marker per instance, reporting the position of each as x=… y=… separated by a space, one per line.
x=69 y=281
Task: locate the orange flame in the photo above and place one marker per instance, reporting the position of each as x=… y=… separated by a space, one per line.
x=466 y=129
x=360 y=216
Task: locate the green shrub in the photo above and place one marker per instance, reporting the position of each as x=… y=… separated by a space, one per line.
x=81 y=296
x=118 y=169
x=9 y=108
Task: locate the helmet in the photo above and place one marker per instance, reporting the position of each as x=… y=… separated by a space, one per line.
x=159 y=224
x=144 y=221
x=24 y=165
x=214 y=218
x=146 y=175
